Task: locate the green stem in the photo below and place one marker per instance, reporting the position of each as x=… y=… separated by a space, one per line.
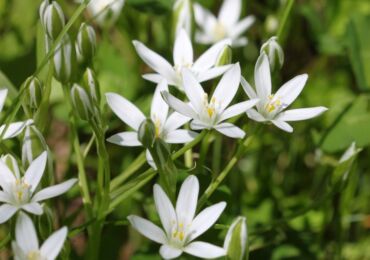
x=284 y=18
x=203 y=150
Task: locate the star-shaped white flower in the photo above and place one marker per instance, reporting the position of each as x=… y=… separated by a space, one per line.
x=271 y=107
x=211 y=114
x=180 y=224
x=26 y=244
x=226 y=25
x=203 y=68
x=13 y=129
x=166 y=125
x=18 y=192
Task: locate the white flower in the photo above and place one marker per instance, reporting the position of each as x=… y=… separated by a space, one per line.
x=166 y=126
x=226 y=25
x=208 y=114
x=18 y=192
x=274 y=52
x=26 y=245
x=13 y=129
x=203 y=68
x=180 y=225
x=105 y=11
x=271 y=106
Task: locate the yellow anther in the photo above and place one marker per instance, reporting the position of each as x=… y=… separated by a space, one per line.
x=210 y=111
x=19 y=195
x=181 y=235
x=157 y=125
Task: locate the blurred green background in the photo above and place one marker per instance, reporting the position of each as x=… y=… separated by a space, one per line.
x=282 y=175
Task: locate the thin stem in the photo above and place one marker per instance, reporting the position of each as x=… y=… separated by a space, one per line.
x=284 y=18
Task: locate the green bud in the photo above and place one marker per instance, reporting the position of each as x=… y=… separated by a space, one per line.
x=91 y=84
x=81 y=102
x=33 y=92
x=86 y=44
x=274 y=52
x=146 y=133
x=182 y=12
x=33 y=145
x=236 y=240
x=64 y=61
x=52 y=19
x=12 y=164
x=42 y=9
x=225 y=56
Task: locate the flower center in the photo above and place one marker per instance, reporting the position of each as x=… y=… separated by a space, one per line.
x=179 y=67
x=179 y=234
x=219 y=31
x=210 y=108
x=273 y=106
x=21 y=191
x=158 y=126
x=34 y=255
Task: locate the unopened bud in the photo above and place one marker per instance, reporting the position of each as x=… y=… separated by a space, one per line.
x=225 y=56
x=236 y=240
x=86 y=43
x=64 y=61
x=33 y=92
x=42 y=9
x=33 y=145
x=52 y=19
x=182 y=16
x=91 y=84
x=146 y=133
x=274 y=52
x=105 y=12
x=81 y=102
x=12 y=164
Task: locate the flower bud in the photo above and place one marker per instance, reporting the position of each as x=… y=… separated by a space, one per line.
x=182 y=16
x=236 y=240
x=225 y=56
x=33 y=145
x=12 y=164
x=52 y=19
x=274 y=51
x=42 y=9
x=86 y=43
x=33 y=92
x=81 y=102
x=91 y=84
x=64 y=61
x=105 y=12
x=146 y=133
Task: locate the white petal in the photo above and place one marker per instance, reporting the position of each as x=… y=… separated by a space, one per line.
x=205 y=219
x=283 y=125
x=155 y=61
x=54 y=244
x=204 y=250
x=204 y=38
x=4 y=197
x=227 y=87
x=212 y=73
x=239 y=42
x=180 y=136
x=148 y=229
x=150 y=160
x=18 y=252
x=242 y=26
x=187 y=200
x=254 y=115
x=25 y=233
x=262 y=77
x=125 y=110
x=209 y=57
x=193 y=90
x=248 y=89
x=301 y=113
x=198 y=125
x=237 y=109
x=178 y=105
x=153 y=77
x=3 y=94
x=204 y=18
x=165 y=209
x=54 y=191
x=230 y=12
x=169 y=252
x=175 y=120
x=13 y=129
x=34 y=208
x=290 y=90
x=35 y=171
x=183 y=49
x=6 y=176
x=159 y=108
x=6 y=212
x=230 y=130
x=125 y=139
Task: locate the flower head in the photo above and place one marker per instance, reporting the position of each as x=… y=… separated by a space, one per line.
x=166 y=125
x=271 y=107
x=209 y=113
x=18 y=192
x=26 y=245
x=203 y=68
x=226 y=25
x=180 y=224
